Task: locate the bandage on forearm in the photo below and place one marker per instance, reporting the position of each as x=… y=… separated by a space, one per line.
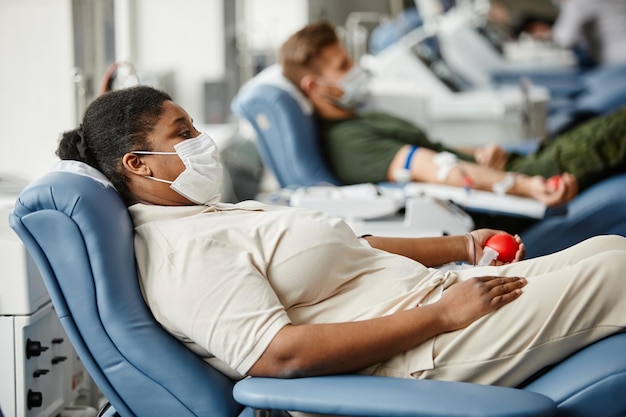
x=504 y=185
x=445 y=161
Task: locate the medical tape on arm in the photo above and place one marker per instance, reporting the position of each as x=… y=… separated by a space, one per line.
x=445 y=161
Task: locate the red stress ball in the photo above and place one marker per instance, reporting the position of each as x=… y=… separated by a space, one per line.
x=502 y=247
x=553 y=182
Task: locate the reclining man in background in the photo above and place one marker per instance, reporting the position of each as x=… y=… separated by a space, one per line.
x=375 y=147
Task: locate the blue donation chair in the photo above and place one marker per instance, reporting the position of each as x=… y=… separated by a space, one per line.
x=80 y=235
x=288 y=142
x=287 y=134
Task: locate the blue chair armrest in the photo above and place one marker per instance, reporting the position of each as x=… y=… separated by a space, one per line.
x=597 y=210
x=361 y=395
x=599 y=393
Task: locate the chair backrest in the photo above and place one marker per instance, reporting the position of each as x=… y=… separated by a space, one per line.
x=80 y=235
x=284 y=123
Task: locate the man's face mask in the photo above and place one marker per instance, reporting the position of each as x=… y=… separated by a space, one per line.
x=201 y=180
x=355 y=86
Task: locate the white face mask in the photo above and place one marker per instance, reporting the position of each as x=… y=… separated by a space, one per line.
x=355 y=88
x=201 y=180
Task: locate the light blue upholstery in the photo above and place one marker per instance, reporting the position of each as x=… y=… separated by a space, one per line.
x=390 y=397
x=286 y=135
x=590 y=383
x=600 y=209
x=80 y=235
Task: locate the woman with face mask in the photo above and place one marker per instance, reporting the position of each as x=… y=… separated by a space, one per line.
x=283 y=292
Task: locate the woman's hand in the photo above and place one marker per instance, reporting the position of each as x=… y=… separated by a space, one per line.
x=492 y=156
x=480 y=236
x=465 y=302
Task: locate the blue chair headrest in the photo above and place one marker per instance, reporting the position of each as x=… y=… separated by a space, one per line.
x=286 y=130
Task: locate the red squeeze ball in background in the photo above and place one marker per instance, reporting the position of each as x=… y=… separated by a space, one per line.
x=553 y=182
x=505 y=245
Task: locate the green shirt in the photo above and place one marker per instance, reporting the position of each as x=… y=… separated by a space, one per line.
x=360 y=149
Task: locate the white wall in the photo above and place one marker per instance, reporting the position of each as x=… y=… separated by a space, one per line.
x=36 y=60
x=262 y=28
x=36 y=96
x=185 y=38
x=268 y=23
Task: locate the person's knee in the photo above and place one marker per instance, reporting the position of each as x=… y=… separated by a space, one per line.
x=607 y=242
x=608 y=266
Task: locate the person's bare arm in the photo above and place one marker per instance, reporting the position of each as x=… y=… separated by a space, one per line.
x=491 y=156
x=323 y=349
x=440 y=250
x=425 y=169
x=429 y=251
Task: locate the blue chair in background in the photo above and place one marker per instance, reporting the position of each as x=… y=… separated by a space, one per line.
x=577 y=95
x=283 y=119
x=80 y=235
x=604 y=91
x=287 y=138
x=600 y=209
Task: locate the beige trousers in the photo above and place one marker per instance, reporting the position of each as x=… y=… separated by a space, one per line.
x=573 y=298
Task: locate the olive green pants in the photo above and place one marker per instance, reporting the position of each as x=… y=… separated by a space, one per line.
x=592 y=151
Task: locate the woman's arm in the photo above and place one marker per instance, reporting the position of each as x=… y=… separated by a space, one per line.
x=440 y=250
x=322 y=349
x=429 y=251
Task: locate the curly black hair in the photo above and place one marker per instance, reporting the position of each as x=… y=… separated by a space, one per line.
x=114 y=124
